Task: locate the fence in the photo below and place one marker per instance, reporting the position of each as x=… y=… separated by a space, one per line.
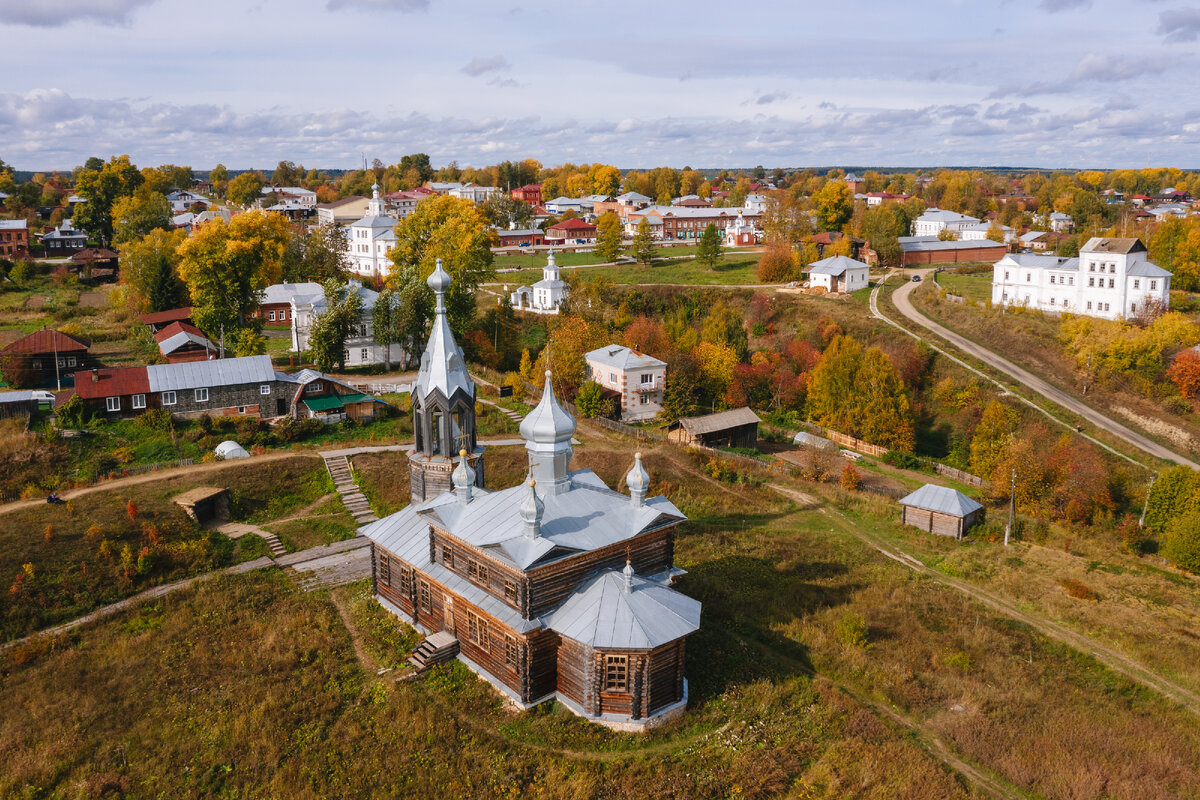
x=857 y=445
x=958 y=475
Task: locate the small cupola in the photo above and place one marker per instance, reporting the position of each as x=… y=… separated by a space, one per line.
x=638 y=481
x=531 y=511
x=547 y=431
x=628 y=573
x=464 y=479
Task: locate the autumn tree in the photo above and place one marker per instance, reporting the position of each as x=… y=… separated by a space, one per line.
x=333 y=326
x=606 y=179
x=226 y=266
x=245 y=188
x=451 y=229
x=681 y=396
x=708 y=248
x=383 y=326
x=218 y=174
x=1184 y=372
x=776 y=265
x=570 y=337
x=150 y=268
x=834 y=205
x=861 y=394
x=609 y=236
x=992 y=439
x=102 y=187
x=643 y=248
x=137 y=214
x=505 y=211
x=317 y=256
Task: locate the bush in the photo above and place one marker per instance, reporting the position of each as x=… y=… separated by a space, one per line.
x=72 y=414
x=852 y=630
x=1182 y=545
x=850 y=479
x=156 y=419
x=900 y=460
x=1078 y=590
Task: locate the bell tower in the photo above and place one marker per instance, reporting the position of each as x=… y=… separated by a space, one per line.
x=443 y=407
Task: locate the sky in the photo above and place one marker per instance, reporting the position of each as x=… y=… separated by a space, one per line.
x=789 y=83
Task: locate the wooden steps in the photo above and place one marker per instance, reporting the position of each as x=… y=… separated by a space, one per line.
x=343 y=480
x=437 y=648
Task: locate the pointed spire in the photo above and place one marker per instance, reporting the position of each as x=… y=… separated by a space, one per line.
x=628 y=573
x=442 y=364
x=531 y=511
x=638 y=481
x=547 y=431
x=464 y=479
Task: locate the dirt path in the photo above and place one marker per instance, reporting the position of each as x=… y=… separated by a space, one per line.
x=304 y=512
x=1110 y=658
x=1027 y=379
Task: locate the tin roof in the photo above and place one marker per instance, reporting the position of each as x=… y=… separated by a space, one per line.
x=115 y=382
x=621 y=357
x=170 y=315
x=1098 y=244
x=202 y=374
x=835 y=265
x=603 y=613
x=47 y=340
x=720 y=421
x=180 y=334
x=941 y=499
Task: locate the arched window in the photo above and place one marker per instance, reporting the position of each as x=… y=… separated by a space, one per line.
x=436 y=433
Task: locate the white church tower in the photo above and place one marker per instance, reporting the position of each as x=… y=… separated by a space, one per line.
x=545 y=296
x=371 y=238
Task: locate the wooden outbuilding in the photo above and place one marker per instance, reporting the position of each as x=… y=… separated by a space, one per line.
x=737 y=427
x=208 y=506
x=940 y=510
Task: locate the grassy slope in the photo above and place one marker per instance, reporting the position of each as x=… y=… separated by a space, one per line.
x=734 y=269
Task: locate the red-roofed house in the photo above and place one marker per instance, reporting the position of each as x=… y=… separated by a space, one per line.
x=50 y=356
x=572 y=229
x=180 y=341
x=530 y=193
x=160 y=319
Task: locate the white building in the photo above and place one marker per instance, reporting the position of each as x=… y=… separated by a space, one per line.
x=979 y=231
x=545 y=296
x=756 y=203
x=838 y=274
x=401 y=204
x=371 y=238
x=473 y=192
x=182 y=201
x=294 y=194
x=1111 y=279
x=637 y=378
x=936 y=220
x=742 y=233
x=1060 y=222
x=561 y=205
x=361 y=348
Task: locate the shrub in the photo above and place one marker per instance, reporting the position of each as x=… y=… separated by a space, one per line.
x=850 y=479
x=1077 y=590
x=900 y=460
x=852 y=630
x=1182 y=545
x=156 y=419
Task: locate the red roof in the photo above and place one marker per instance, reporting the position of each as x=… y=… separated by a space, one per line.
x=572 y=225
x=94 y=254
x=170 y=315
x=47 y=340
x=111 y=382
x=177 y=327
x=529 y=187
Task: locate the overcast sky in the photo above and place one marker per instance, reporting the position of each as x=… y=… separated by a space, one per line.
x=1047 y=83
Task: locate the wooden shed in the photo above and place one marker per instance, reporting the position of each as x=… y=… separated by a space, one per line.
x=940 y=510
x=207 y=505
x=737 y=427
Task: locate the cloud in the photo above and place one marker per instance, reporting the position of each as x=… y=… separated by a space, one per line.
x=766 y=99
x=1055 y=6
x=1090 y=69
x=379 y=5
x=56 y=13
x=479 y=66
x=505 y=83
x=1179 y=24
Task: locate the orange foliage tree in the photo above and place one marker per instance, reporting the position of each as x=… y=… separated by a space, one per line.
x=1184 y=372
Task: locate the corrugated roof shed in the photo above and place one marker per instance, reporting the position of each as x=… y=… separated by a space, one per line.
x=941 y=500
x=722 y=420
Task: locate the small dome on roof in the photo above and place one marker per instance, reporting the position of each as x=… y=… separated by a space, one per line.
x=531 y=510
x=439 y=280
x=549 y=422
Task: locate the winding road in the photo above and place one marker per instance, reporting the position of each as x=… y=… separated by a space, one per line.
x=1027 y=379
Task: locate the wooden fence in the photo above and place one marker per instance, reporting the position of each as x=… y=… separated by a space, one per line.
x=958 y=475
x=858 y=445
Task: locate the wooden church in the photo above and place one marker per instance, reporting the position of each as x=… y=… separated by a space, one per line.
x=557 y=588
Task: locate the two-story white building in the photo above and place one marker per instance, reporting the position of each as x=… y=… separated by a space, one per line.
x=979 y=231
x=1111 y=278
x=361 y=348
x=936 y=220
x=370 y=239
x=636 y=378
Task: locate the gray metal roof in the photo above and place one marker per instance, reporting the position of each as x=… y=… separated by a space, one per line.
x=942 y=215
x=720 y=421
x=443 y=366
x=835 y=265
x=13 y=224
x=173 y=343
x=604 y=614
x=970 y=244
x=622 y=357
x=1040 y=262
x=285 y=292
x=1098 y=244
x=22 y=396
x=1147 y=270
x=205 y=374
x=941 y=499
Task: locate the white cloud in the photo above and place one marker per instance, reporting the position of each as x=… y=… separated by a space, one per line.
x=1179 y=24
x=478 y=66
x=56 y=13
x=1055 y=6
x=379 y=5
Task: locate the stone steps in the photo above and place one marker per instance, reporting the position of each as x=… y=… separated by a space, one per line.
x=352 y=497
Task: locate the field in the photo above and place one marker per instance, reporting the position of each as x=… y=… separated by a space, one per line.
x=736 y=268
x=822 y=670
x=975 y=288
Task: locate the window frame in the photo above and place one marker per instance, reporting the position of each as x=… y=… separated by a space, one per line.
x=162 y=396
x=616 y=673
x=264 y=389
x=196 y=394
x=383 y=572
x=112 y=404
x=137 y=401
x=424 y=596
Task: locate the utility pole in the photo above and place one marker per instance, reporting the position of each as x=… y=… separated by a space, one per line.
x=222 y=340
x=1012 y=506
x=57 y=374
x=1146 y=505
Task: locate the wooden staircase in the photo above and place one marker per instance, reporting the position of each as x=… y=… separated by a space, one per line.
x=436 y=649
x=343 y=480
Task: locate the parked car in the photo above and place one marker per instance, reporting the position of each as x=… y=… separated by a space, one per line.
x=916 y=278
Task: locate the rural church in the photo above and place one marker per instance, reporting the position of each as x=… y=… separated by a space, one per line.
x=556 y=588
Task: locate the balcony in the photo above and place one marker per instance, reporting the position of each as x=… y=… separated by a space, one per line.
x=655 y=385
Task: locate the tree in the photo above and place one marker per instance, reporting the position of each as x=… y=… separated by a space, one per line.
x=834 y=204
x=525 y=369
x=418 y=164
x=591 y=401
x=454 y=230
x=287 y=174
x=319 y=256
x=412 y=312
x=708 y=248
x=219 y=174
x=1184 y=372
x=606 y=179
x=992 y=439
x=136 y=215
x=383 y=319
x=150 y=267
x=1182 y=546
x=331 y=328
x=681 y=397
x=861 y=394
x=226 y=266
x=643 y=243
x=882 y=226
x=245 y=188
x=609 y=236
x=776 y=265
x=505 y=211
x=101 y=188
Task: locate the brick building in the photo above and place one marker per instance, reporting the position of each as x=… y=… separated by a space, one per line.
x=14 y=238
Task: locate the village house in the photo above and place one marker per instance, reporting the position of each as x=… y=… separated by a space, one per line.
x=371 y=237
x=979 y=231
x=635 y=380
x=96 y=262
x=737 y=427
x=855 y=183
x=940 y=510
x=1034 y=240
x=342 y=212
x=295 y=195
x=361 y=349
x=936 y=220
x=157 y=320
x=275 y=307
x=14 y=238
x=545 y=296
x=181 y=201
x=52 y=356
x=556 y=588
x=519 y=237
x=677 y=222
x=755 y=203
x=838 y=274
x=180 y=341
x=530 y=193
x=573 y=231
x=1111 y=278
x=64 y=240
x=1060 y=222
x=561 y=205
x=879 y=198
x=475 y=193
x=314 y=395
x=401 y=204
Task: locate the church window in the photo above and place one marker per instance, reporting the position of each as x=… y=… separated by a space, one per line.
x=512 y=653
x=435 y=439
x=423 y=596
x=384 y=573
x=448 y=557
x=616 y=673
x=510 y=591
x=477 y=571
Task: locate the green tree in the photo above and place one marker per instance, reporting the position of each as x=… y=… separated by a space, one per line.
x=245 y=188
x=331 y=328
x=150 y=267
x=1182 y=545
x=383 y=324
x=724 y=325
x=505 y=211
x=591 y=401
x=993 y=437
x=708 y=248
x=21 y=272
x=102 y=188
x=609 y=236
x=219 y=174
x=881 y=406
x=136 y=215
x=881 y=227
x=834 y=205
x=318 y=256
x=454 y=230
x=643 y=248
x=226 y=266
x=681 y=395
x=412 y=313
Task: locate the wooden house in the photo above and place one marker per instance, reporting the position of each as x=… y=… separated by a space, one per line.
x=318 y=396
x=158 y=320
x=179 y=342
x=940 y=510
x=556 y=588
x=737 y=427
x=49 y=357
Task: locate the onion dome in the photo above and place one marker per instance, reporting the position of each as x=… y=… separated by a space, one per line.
x=464 y=478
x=638 y=481
x=531 y=511
x=549 y=422
x=628 y=573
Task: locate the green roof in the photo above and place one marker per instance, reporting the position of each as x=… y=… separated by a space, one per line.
x=332 y=401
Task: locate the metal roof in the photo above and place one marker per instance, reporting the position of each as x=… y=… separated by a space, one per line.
x=13 y=224
x=835 y=265
x=941 y=499
x=805 y=439
x=942 y=215
x=622 y=357
x=181 y=339
x=443 y=366
x=606 y=614
x=285 y=292
x=202 y=374
x=1040 y=262
x=1148 y=270
x=1098 y=244
x=47 y=340
x=970 y=244
x=720 y=421
x=170 y=315
x=115 y=382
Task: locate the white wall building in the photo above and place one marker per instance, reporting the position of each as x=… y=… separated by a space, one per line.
x=361 y=349
x=979 y=231
x=1111 y=279
x=838 y=274
x=296 y=194
x=756 y=203
x=370 y=240
x=639 y=379
x=476 y=194
x=936 y=220
x=545 y=296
